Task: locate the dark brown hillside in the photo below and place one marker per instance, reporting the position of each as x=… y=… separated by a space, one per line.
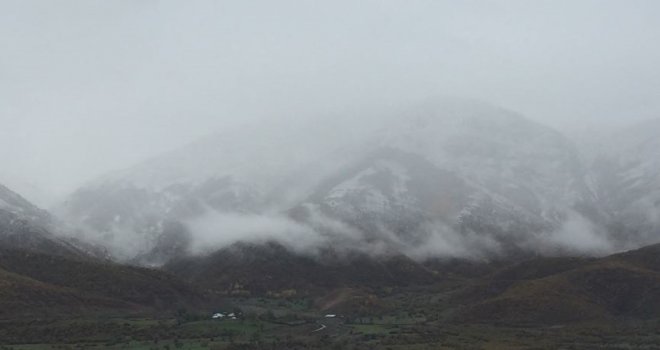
x=623 y=290
x=101 y=280
x=647 y=257
x=271 y=268
x=22 y=296
x=517 y=272
x=564 y=290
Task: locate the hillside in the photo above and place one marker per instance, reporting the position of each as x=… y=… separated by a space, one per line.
x=564 y=290
x=271 y=269
x=627 y=174
x=36 y=283
x=25 y=226
x=22 y=296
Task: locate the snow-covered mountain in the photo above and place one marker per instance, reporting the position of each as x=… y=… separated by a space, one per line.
x=463 y=176
x=627 y=174
x=451 y=177
x=12 y=203
x=26 y=227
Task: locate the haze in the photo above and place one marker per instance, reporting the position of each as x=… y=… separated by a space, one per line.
x=88 y=87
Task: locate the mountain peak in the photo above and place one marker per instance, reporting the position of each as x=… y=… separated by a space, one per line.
x=445 y=175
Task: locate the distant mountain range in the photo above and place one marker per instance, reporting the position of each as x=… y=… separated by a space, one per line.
x=449 y=178
x=43 y=275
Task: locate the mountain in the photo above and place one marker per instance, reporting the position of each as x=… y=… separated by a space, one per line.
x=627 y=178
x=42 y=273
x=449 y=177
x=24 y=226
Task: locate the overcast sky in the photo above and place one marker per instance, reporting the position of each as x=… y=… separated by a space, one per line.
x=91 y=86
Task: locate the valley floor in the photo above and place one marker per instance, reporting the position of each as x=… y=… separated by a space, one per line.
x=410 y=319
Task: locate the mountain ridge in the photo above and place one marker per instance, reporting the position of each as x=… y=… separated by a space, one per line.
x=445 y=177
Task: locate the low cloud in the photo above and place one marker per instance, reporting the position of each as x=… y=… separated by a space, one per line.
x=216 y=230
x=576 y=235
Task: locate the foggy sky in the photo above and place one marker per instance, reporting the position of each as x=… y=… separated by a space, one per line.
x=92 y=86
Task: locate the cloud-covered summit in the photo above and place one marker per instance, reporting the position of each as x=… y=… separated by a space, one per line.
x=448 y=177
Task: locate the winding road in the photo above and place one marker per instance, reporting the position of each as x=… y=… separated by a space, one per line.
x=320 y=329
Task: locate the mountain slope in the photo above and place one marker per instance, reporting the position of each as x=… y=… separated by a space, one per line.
x=261 y=269
x=24 y=226
x=43 y=273
x=447 y=177
x=627 y=174
x=37 y=283
x=562 y=290
x=22 y=296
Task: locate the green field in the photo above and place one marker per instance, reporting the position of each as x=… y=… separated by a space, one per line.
x=411 y=319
